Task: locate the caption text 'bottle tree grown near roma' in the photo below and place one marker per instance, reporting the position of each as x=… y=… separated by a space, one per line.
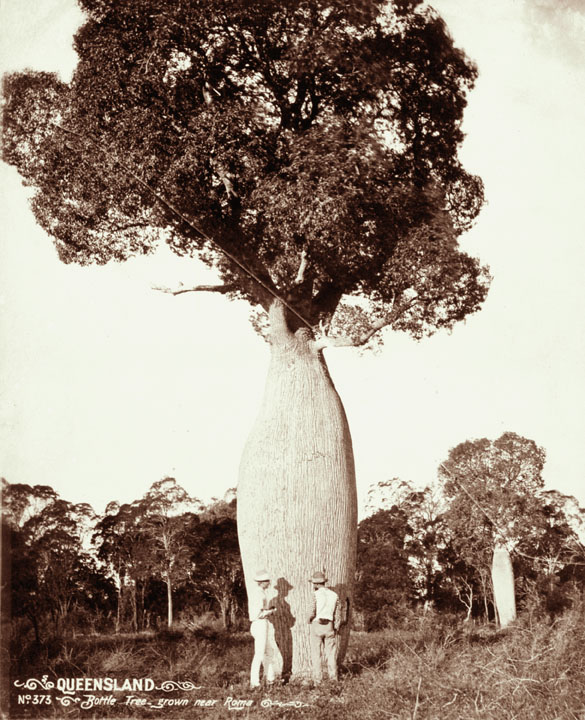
x=308 y=151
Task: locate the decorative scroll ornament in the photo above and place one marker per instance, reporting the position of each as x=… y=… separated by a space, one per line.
x=34 y=684
x=170 y=685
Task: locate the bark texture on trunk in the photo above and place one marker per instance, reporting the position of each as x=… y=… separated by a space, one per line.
x=297 y=504
x=503 y=584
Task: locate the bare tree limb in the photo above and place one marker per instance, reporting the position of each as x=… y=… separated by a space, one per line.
x=354 y=342
x=302 y=268
x=128 y=226
x=386 y=321
x=198 y=288
x=220 y=171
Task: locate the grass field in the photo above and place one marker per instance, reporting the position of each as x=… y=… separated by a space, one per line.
x=428 y=669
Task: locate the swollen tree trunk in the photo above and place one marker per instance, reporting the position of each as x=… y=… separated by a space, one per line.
x=503 y=584
x=297 y=505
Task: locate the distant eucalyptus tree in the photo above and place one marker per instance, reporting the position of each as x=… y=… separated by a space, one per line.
x=121 y=545
x=166 y=520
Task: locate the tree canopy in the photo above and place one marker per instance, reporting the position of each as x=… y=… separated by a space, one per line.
x=311 y=146
x=494 y=484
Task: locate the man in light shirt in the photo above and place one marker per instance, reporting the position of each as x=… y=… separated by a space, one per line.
x=325 y=623
x=261 y=605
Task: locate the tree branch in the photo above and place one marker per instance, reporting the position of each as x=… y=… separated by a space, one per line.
x=387 y=320
x=302 y=268
x=198 y=288
x=128 y=226
x=346 y=341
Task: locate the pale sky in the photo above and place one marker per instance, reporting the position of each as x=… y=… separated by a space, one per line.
x=108 y=385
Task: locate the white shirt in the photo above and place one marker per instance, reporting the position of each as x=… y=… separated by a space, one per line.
x=259 y=600
x=325 y=603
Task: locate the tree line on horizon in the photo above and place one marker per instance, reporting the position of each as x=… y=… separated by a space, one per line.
x=169 y=559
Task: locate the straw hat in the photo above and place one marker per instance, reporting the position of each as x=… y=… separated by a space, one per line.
x=318 y=578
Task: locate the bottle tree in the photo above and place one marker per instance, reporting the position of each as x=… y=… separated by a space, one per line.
x=493 y=488
x=305 y=149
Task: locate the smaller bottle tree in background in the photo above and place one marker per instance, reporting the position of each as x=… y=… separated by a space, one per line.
x=493 y=491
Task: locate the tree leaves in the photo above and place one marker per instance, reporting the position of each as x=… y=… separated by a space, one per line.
x=493 y=488
x=279 y=128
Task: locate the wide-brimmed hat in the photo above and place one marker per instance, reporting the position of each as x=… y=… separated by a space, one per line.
x=318 y=577
x=261 y=576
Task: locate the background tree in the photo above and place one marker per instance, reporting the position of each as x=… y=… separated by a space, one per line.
x=460 y=584
x=121 y=544
x=166 y=516
x=21 y=593
x=306 y=150
x=218 y=571
x=20 y=501
x=384 y=588
x=63 y=565
x=425 y=536
x=550 y=557
x=492 y=488
x=386 y=494
x=52 y=571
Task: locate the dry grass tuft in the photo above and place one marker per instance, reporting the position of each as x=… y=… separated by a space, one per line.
x=431 y=670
